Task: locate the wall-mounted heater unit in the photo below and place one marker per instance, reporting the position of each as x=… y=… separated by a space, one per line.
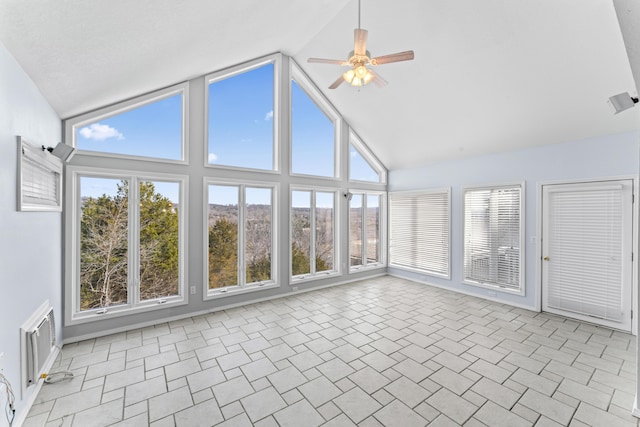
x=39 y=340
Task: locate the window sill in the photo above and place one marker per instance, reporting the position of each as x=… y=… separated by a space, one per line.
x=361 y=268
x=495 y=288
x=305 y=278
x=124 y=310
x=213 y=294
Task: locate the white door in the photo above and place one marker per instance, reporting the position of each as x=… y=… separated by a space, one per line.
x=587 y=251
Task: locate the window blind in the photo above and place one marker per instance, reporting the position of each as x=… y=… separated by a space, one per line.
x=40 y=179
x=419 y=232
x=587 y=251
x=492 y=236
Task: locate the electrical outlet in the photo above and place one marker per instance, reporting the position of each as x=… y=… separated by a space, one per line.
x=493 y=294
x=193 y=290
x=295 y=289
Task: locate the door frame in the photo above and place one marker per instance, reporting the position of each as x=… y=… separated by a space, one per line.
x=634 y=225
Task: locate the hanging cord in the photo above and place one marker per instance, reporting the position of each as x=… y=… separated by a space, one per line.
x=9 y=410
x=56 y=377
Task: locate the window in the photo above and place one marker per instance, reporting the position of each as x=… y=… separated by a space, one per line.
x=365 y=248
x=314 y=130
x=363 y=166
x=313 y=233
x=240 y=221
x=493 y=235
x=241 y=117
x=130 y=241
x=39 y=179
x=152 y=126
x=419 y=234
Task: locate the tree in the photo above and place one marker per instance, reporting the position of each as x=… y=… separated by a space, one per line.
x=223 y=254
x=104 y=243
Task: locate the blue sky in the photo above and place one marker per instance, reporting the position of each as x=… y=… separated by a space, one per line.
x=240 y=131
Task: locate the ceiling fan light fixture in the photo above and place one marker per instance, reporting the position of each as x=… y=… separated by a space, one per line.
x=358 y=76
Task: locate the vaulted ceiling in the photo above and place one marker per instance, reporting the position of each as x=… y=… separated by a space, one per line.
x=488 y=76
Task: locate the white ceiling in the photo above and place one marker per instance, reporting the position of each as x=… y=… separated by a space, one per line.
x=488 y=76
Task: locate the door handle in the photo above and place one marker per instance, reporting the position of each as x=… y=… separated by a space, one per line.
x=546 y=258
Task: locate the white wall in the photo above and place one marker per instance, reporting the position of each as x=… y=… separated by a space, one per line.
x=607 y=156
x=30 y=242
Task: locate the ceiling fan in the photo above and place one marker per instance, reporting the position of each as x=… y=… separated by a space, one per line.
x=360 y=58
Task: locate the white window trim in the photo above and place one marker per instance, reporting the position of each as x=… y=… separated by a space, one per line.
x=242 y=288
x=71 y=125
x=368 y=157
x=73 y=315
x=382 y=244
x=521 y=279
x=446 y=190
x=276 y=60
x=325 y=106
x=311 y=276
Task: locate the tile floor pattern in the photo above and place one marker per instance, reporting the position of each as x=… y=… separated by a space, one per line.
x=378 y=352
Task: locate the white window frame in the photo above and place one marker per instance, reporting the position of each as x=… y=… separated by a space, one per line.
x=382 y=243
x=276 y=60
x=521 y=266
x=73 y=315
x=325 y=106
x=368 y=157
x=241 y=287
x=313 y=275
x=73 y=124
x=430 y=192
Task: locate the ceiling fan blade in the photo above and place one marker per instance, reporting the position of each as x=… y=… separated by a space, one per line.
x=360 y=38
x=394 y=57
x=378 y=80
x=327 y=61
x=336 y=83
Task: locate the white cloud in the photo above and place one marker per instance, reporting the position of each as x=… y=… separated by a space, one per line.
x=213 y=157
x=269 y=116
x=100 y=132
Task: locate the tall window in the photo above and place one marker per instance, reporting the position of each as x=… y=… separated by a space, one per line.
x=130 y=233
x=240 y=222
x=364 y=230
x=314 y=131
x=493 y=235
x=152 y=126
x=312 y=233
x=241 y=117
x=363 y=166
x=419 y=233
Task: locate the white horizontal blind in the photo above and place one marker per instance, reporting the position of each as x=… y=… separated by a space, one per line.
x=492 y=234
x=586 y=251
x=419 y=232
x=40 y=179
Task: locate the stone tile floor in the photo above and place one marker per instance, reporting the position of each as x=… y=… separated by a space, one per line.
x=383 y=351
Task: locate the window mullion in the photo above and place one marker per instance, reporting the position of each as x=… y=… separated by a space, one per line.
x=134 y=242
x=363 y=230
x=242 y=226
x=312 y=234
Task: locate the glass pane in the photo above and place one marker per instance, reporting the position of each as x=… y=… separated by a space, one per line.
x=312 y=136
x=223 y=236
x=159 y=243
x=300 y=232
x=355 y=230
x=359 y=168
x=324 y=231
x=151 y=130
x=258 y=234
x=104 y=232
x=241 y=120
x=373 y=229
